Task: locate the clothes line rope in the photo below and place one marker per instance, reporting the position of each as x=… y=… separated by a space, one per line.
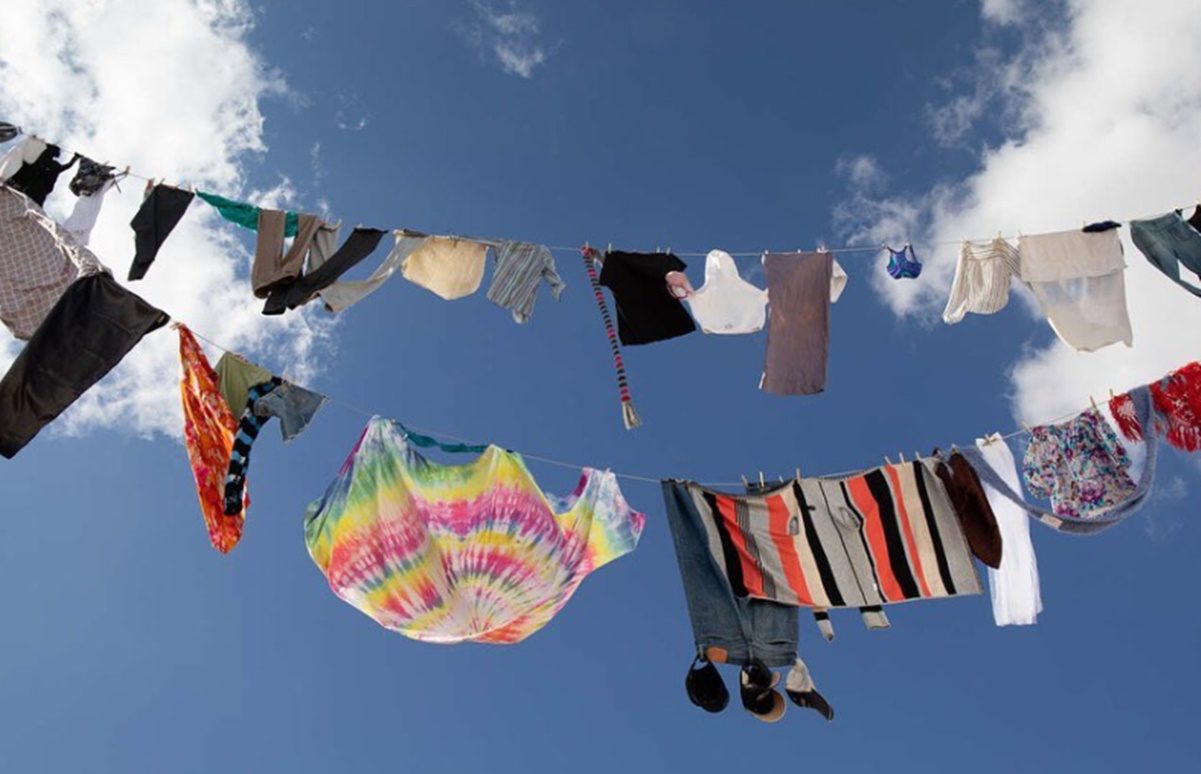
x=839 y=250
x=575 y=466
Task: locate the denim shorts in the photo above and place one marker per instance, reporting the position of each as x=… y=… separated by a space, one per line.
x=1167 y=242
x=727 y=629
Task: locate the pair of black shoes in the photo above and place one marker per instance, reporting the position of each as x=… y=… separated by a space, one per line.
x=757 y=687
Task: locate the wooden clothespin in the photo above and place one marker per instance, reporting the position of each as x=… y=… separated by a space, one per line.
x=798 y=474
x=888 y=461
x=761 y=483
x=1111 y=395
x=901 y=456
x=610 y=247
x=745 y=483
x=917 y=455
x=1093 y=401
x=1026 y=427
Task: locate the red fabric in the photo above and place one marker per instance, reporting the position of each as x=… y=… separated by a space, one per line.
x=1122 y=408
x=1178 y=398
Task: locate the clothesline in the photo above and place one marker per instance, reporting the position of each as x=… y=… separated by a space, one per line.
x=841 y=250
x=575 y=466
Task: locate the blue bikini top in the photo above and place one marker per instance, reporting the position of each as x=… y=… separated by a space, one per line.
x=901 y=267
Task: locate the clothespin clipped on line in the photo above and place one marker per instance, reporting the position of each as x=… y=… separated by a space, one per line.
x=1093 y=401
x=745 y=483
x=901 y=456
x=888 y=461
x=761 y=483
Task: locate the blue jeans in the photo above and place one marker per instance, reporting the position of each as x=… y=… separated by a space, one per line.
x=1167 y=242
x=727 y=629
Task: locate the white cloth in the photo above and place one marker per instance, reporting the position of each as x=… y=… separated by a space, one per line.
x=87 y=209
x=1016 y=593
x=838 y=282
x=982 y=279
x=1079 y=280
x=24 y=152
x=727 y=303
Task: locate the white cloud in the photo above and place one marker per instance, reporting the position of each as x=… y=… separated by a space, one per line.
x=120 y=80
x=1105 y=121
x=510 y=34
x=1003 y=11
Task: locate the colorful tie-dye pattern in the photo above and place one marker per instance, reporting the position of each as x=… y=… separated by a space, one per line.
x=448 y=553
x=209 y=428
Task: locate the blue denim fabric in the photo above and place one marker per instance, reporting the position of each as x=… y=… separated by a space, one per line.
x=727 y=629
x=1167 y=242
x=1144 y=411
x=295 y=407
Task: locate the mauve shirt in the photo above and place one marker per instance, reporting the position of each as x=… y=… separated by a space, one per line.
x=799 y=288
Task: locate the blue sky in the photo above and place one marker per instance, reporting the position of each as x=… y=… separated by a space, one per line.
x=131 y=645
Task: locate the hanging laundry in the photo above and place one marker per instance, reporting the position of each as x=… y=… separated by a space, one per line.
x=972 y=507
x=1080 y=466
x=36 y=179
x=901 y=266
x=728 y=629
x=520 y=267
x=447 y=266
x=247 y=215
x=235 y=377
x=873 y=616
x=727 y=303
x=343 y=294
x=8 y=131
x=1195 y=219
x=91 y=177
x=91 y=328
x=209 y=428
x=295 y=407
x=1177 y=398
x=982 y=279
x=801 y=287
x=882 y=536
x=272 y=267
x=1097 y=521
x=628 y=414
x=249 y=425
x=449 y=553
x=25 y=152
x=1168 y=242
x=39 y=259
x=360 y=244
x=1014 y=586
x=1079 y=280
x=646 y=310
x=83 y=217
x=161 y=210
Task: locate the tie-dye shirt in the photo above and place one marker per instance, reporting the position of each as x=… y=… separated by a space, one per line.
x=448 y=553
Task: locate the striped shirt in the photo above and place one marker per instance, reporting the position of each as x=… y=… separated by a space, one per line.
x=877 y=537
x=519 y=267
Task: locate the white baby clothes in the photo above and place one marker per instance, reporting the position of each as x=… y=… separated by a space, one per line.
x=727 y=303
x=1079 y=280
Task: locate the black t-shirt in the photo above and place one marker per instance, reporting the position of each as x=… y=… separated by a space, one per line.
x=646 y=310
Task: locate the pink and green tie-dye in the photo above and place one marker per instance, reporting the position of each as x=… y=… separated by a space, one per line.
x=448 y=553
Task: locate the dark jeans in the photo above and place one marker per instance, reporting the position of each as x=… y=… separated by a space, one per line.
x=1167 y=242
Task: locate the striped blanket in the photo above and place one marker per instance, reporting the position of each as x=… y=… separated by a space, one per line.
x=880 y=536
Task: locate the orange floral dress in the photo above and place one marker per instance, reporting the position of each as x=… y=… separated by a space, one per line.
x=209 y=429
